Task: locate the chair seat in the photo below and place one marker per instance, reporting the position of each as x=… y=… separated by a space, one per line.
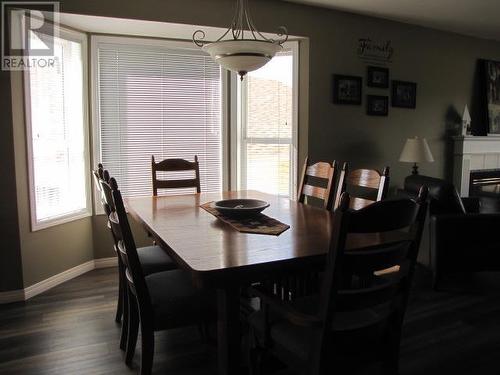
x=176 y=302
x=297 y=339
x=154 y=259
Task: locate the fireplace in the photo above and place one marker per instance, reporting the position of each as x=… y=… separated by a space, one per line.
x=472 y=157
x=485 y=183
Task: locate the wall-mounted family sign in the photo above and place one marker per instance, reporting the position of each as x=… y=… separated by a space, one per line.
x=348 y=89
x=371 y=50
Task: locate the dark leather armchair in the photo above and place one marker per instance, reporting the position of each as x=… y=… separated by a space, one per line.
x=463 y=231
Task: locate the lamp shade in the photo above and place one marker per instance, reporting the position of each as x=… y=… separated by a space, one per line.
x=242 y=56
x=416 y=150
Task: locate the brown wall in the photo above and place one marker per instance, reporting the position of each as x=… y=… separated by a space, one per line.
x=443 y=65
x=11 y=276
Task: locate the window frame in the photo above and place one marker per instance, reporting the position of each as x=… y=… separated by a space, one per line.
x=238 y=140
x=37 y=225
x=95 y=41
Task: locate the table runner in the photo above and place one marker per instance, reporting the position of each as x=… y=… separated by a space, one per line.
x=259 y=224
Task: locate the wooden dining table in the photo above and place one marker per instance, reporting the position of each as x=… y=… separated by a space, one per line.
x=218 y=256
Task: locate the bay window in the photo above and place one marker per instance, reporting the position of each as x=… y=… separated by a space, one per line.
x=57 y=133
x=156 y=98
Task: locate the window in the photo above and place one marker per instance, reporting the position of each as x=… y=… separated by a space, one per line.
x=57 y=133
x=156 y=98
x=267 y=145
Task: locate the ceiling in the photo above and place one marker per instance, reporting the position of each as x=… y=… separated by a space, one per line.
x=121 y=26
x=480 y=18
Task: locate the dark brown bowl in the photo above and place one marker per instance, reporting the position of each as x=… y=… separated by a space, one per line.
x=241 y=207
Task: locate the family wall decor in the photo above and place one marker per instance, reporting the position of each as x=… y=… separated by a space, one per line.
x=376 y=51
x=404 y=94
x=348 y=89
x=377 y=77
x=377 y=105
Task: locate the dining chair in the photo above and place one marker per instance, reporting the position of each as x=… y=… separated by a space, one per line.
x=175 y=165
x=152 y=258
x=156 y=301
x=356 y=318
x=317 y=181
x=98 y=175
x=365 y=186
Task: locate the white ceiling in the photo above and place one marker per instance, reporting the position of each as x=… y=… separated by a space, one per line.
x=122 y=26
x=480 y=18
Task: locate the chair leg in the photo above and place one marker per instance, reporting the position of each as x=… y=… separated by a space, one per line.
x=147 y=348
x=202 y=331
x=120 y=306
x=133 y=329
x=255 y=354
x=125 y=319
x=391 y=368
x=436 y=276
x=256 y=360
x=391 y=363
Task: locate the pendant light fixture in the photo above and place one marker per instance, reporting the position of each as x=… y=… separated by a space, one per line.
x=248 y=49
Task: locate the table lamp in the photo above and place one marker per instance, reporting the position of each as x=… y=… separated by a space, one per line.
x=416 y=150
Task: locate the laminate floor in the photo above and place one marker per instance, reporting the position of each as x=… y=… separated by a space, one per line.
x=70 y=330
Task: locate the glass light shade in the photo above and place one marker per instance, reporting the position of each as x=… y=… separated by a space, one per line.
x=242 y=56
x=416 y=150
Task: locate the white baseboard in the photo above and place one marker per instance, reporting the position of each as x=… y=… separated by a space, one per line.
x=106 y=262
x=43 y=286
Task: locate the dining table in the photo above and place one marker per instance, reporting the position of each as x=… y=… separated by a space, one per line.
x=218 y=256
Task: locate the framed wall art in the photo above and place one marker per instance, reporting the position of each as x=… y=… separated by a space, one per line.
x=377 y=77
x=377 y=105
x=404 y=94
x=347 y=89
x=492 y=80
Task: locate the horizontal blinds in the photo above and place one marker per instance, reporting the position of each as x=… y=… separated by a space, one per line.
x=163 y=102
x=58 y=133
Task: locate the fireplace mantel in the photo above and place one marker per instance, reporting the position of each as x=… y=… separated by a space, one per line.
x=473 y=154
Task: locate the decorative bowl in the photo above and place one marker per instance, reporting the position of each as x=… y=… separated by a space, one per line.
x=240 y=207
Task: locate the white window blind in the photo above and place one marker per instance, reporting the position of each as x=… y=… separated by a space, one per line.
x=57 y=129
x=159 y=101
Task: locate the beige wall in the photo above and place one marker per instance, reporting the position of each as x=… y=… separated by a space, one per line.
x=48 y=251
x=443 y=65
x=103 y=243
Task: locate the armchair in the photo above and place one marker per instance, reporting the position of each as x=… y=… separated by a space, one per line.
x=463 y=233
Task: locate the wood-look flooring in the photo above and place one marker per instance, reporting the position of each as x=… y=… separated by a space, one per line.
x=70 y=330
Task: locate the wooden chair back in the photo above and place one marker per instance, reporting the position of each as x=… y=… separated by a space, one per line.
x=365 y=186
x=98 y=174
x=323 y=173
x=175 y=165
x=125 y=244
x=351 y=283
x=107 y=196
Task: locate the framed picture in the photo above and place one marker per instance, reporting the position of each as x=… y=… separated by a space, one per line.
x=347 y=89
x=377 y=105
x=492 y=79
x=404 y=94
x=377 y=77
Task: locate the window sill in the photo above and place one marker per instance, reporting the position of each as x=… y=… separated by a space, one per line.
x=36 y=226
